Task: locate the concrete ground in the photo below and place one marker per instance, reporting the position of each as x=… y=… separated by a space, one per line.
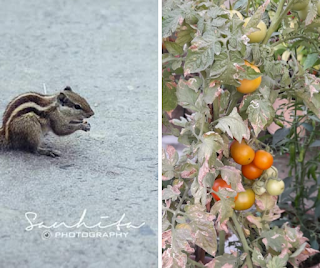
x=106 y=51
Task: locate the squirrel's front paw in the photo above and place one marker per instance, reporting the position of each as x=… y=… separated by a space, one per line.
x=86 y=127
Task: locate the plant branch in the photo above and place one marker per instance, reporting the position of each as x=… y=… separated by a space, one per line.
x=234 y=101
x=287 y=39
x=222 y=238
x=277 y=19
x=243 y=240
x=176 y=213
x=216 y=108
x=247 y=9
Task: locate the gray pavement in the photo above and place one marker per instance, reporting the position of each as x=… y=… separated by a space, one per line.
x=106 y=51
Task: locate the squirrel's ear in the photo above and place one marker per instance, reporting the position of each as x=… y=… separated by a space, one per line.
x=62 y=98
x=68 y=88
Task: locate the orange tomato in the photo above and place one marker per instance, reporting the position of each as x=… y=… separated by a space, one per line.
x=249 y=86
x=251 y=172
x=245 y=200
x=220 y=183
x=241 y=153
x=263 y=159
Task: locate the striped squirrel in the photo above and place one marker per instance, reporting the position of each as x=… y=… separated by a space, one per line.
x=29 y=116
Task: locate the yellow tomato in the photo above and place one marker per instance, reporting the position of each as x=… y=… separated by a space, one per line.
x=245 y=200
x=235 y=12
x=258 y=36
x=248 y=86
x=300 y=5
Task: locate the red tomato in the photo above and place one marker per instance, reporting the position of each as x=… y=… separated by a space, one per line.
x=220 y=183
x=251 y=172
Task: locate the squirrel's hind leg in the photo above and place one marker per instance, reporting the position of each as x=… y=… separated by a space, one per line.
x=26 y=134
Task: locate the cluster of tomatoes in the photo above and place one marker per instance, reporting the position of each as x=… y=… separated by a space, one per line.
x=253 y=164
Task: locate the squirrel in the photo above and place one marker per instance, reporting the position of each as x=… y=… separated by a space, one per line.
x=30 y=116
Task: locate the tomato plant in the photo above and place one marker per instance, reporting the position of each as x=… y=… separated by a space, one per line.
x=226 y=85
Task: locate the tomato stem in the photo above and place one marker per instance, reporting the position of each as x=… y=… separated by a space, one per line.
x=280 y=13
x=243 y=240
x=222 y=238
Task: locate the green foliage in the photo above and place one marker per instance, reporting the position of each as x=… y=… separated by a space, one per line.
x=302 y=196
x=203 y=64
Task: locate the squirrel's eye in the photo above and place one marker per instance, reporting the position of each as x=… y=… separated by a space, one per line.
x=77 y=106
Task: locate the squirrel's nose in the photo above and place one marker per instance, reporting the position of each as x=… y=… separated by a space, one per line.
x=91 y=113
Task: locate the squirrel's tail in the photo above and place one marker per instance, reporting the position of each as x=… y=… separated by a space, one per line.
x=3 y=142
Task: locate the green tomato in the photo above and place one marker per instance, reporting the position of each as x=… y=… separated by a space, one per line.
x=258 y=36
x=303 y=13
x=300 y=5
x=275 y=187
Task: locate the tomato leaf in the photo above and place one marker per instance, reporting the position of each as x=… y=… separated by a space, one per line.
x=210 y=93
x=170 y=22
x=223 y=208
x=312 y=13
x=310 y=60
x=232 y=176
x=274 y=239
x=169 y=160
x=169 y=97
x=201 y=222
x=211 y=143
x=173 y=48
x=278 y=262
x=173 y=259
x=257 y=258
x=260 y=114
x=311 y=101
x=187 y=97
x=224 y=69
x=185 y=35
x=197 y=61
x=224 y=261
x=234 y=126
